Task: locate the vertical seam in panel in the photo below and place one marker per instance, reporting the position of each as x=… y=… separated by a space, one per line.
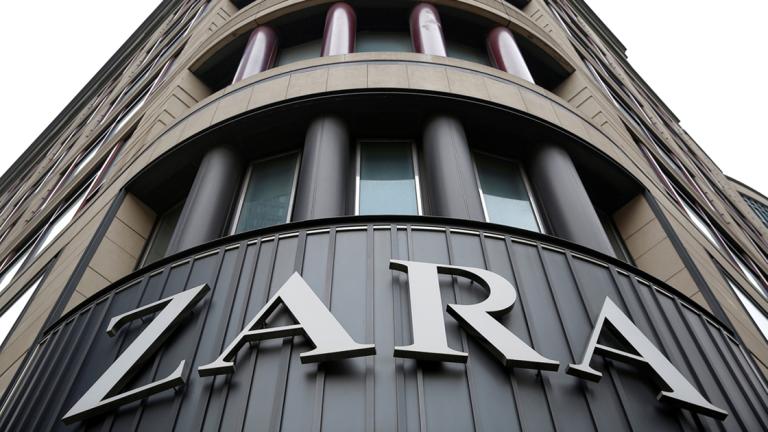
x=317 y=417
x=234 y=284
x=34 y=394
x=201 y=326
x=676 y=341
x=243 y=318
x=286 y=349
x=619 y=385
x=757 y=377
x=158 y=357
x=665 y=344
x=401 y=410
x=512 y=382
x=370 y=361
x=531 y=333
x=54 y=414
x=107 y=425
x=733 y=375
x=21 y=378
x=607 y=364
x=33 y=374
x=462 y=333
x=419 y=369
x=566 y=333
x=255 y=347
x=712 y=372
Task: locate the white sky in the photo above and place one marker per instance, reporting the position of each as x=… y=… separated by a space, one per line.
x=706 y=60
x=51 y=48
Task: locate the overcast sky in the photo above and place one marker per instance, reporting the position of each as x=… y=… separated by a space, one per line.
x=51 y=48
x=706 y=60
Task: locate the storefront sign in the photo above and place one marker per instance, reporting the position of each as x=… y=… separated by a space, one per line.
x=331 y=341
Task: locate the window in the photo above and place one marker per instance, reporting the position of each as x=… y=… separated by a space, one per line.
x=614 y=237
x=504 y=193
x=757 y=314
x=161 y=237
x=387 y=179
x=267 y=198
x=467 y=52
x=760 y=209
x=383 y=41
x=12 y=313
x=304 y=51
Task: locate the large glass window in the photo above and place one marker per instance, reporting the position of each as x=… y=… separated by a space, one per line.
x=9 y=317
x=382 y=41
x=387 y=180
x=505 y=193
x=161 y=237
x=268 y=194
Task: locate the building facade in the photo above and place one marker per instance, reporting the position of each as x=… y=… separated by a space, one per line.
x=377 y=215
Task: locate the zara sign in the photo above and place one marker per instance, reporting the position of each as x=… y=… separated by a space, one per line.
x=331 y=341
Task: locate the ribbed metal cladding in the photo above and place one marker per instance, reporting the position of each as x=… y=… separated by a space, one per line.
x=560 y=294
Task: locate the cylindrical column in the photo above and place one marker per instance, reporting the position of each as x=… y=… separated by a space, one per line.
x=260 y=53
x=426 y=30
x=322 y=188
x=340 y=30
x=567 y=204
x=450 y=173
x=505 y=54
x=208 y=204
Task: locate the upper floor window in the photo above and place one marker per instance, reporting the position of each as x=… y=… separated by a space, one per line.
x=162 y=233
x=267 y=197
x=63 y=217
x=383 y=41
x=760 y=209
x=387 y=178
x=505 y=193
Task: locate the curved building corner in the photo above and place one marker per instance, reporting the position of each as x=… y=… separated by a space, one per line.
x=377 y=215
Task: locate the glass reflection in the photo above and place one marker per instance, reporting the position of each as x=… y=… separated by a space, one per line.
x=504 y=193
x=387 y=179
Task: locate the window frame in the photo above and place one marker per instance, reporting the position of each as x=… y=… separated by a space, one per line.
x=414 y=161
x=153 y=235
x=526 y=183
x=247 y=178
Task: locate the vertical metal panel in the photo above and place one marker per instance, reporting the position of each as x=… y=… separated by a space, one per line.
x=559 y=296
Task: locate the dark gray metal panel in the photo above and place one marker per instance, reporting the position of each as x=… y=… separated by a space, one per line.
x=562 y=193
x=560 y=293
x=323 y=176
x=573 y=320
x=493 y=403
x=449 y=171
x=204 y=216
x=345 y=389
